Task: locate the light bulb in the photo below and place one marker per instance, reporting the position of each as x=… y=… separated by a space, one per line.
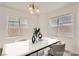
x=31 y=12
x=30 y=7
x=37 y=10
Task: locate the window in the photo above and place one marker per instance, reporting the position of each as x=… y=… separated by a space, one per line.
x=65 y=25
x=16 y=26
x=61 y=25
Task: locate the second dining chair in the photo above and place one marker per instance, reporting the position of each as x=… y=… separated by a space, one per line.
x=57 y=50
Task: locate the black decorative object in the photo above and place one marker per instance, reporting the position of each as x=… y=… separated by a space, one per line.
x=36 y=34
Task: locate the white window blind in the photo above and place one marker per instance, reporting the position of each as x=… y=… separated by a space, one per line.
x=16 y=26
x=61 y=25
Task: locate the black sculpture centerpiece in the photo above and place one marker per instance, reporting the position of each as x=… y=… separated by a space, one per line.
x=36 y=35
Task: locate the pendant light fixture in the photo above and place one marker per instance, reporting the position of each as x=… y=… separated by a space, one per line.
x=33 y=9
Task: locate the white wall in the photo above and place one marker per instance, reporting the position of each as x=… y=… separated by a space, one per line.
x=77 y=41
x=43 y=24
x=71 y=43
x=6 y=11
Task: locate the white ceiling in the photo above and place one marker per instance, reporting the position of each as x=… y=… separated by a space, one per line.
x=44 y=7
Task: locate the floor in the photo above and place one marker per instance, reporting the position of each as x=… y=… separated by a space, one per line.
x=68 y=53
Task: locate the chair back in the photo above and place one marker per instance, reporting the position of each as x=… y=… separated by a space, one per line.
x=57 y=50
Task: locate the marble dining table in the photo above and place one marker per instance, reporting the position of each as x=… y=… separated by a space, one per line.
x=26 y=48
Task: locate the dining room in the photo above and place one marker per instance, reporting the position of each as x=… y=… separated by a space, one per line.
x=39 y=28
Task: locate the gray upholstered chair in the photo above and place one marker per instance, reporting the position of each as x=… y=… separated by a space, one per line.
x=40 y=53
x=57 y=50
x=1 y=51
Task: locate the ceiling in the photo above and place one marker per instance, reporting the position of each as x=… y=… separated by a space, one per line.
x=44 y=7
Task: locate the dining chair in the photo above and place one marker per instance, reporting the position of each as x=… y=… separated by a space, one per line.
x=1 y=51
x=57 y=50
x=40 y=53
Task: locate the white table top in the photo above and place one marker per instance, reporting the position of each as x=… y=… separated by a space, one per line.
x=26 y=47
